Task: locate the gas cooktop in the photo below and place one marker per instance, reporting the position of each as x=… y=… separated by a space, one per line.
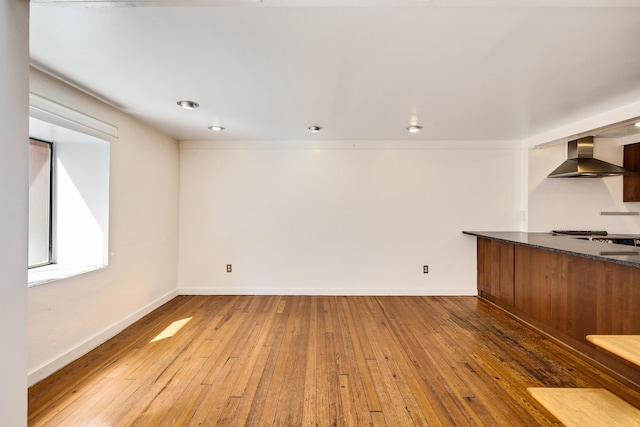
x=600 y=236
x=580 y=232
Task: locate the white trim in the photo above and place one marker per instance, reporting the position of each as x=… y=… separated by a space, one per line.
x=350 y=145
x=52 y=112
x=52 y=272
x=342 y=3
x=73 y=354
x=391 y=291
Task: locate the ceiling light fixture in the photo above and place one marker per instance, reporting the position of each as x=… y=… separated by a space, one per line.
x=315 y=128
x=414 y=128
x=188 y=105
x=216 y=128
x=637 y=125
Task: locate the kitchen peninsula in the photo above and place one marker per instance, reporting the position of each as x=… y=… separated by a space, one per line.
x=565 y=287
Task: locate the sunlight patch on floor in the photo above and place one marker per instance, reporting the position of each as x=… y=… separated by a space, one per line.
x=171 y=330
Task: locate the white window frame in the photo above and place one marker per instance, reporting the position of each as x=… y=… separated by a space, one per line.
x=40 y=211
x=81 y=191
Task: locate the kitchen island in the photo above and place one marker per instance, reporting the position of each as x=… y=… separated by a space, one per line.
x=565 y=287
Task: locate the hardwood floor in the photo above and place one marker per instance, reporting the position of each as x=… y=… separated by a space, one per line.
x=316 y=361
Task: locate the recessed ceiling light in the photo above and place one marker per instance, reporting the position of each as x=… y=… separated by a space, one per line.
x=188 y=105
x=216 y=128
x=414 y=128
x=637 y=125
x=315 y=128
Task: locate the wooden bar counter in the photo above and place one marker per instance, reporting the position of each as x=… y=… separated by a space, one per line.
x=565 y=287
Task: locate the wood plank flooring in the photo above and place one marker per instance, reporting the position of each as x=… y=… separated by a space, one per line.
x=317 y=361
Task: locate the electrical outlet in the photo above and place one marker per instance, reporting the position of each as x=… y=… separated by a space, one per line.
x=425 y=269
x=228 y=268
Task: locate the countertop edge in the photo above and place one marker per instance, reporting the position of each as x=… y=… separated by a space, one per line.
x=566 y=245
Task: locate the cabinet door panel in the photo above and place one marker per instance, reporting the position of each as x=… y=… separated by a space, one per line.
x=617 y=309
x=631 y=183
x=495 y=269
x=505 y=279
x=484 y=266
x=534 y=269
x=583 y=275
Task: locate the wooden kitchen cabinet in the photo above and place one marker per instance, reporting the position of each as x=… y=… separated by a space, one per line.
x=575 y=295
x=495 y=270
x=631 y=183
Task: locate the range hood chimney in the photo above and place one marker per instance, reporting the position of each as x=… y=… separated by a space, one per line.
x=581 y=164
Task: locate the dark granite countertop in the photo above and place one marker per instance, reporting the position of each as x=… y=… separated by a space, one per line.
x=619 y=254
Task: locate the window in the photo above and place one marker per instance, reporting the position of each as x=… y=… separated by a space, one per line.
x=40 y=202
x=69 y=202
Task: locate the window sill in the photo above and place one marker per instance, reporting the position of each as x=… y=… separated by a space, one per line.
x=49 y=273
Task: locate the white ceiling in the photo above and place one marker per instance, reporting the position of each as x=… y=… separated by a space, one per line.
x=365 y=70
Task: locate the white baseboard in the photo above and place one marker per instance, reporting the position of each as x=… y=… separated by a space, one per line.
x=62 y=360
x=331 y=292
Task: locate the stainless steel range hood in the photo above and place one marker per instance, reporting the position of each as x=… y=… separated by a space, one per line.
x=581 y=164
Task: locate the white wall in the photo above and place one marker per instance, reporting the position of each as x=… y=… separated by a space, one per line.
x=71 y=316
x=14 y=84
x=341 y=217
x=576 y=203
